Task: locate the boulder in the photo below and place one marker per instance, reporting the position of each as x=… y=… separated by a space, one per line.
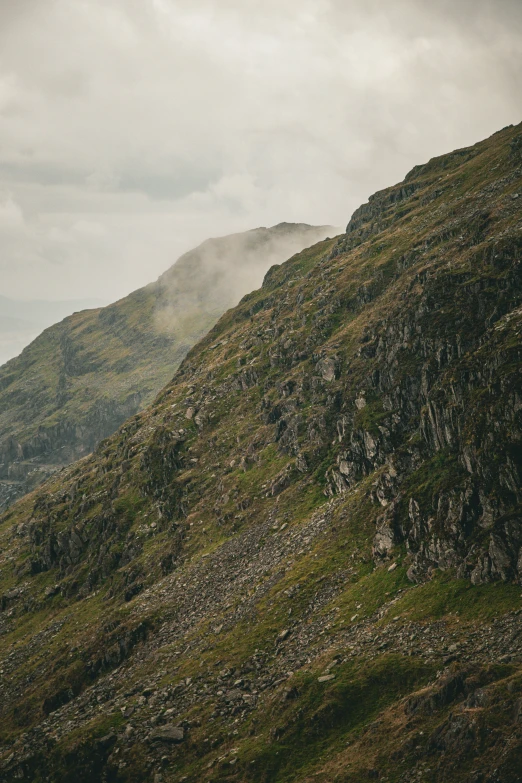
x=170 y=734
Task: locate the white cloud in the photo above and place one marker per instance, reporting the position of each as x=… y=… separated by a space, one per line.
x=11 y=216
x=132 y=130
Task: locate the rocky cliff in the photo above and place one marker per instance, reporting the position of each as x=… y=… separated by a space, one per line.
x=76 y=383
x=304 y=560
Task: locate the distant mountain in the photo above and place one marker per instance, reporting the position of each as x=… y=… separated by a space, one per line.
x=22 y=321
x=81 y=378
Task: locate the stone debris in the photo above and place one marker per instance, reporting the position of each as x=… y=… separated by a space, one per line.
x=169 y=734
x=191 y=581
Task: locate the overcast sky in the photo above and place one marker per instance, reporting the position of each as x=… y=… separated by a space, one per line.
x=131 y=130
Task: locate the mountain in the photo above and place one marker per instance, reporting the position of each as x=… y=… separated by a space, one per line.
x=80 y=379
x=303 y=561
x=22 y=321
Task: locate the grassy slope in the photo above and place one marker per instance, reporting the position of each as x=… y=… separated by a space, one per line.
x=253 y=563
x=82 y=377
x=114 y=362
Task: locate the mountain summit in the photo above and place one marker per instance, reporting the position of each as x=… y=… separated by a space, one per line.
x=79 y=380
x=303 y=561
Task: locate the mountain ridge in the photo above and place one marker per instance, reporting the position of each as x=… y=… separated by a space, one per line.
x=22 y=320
x=302 y=562
x=79 y=380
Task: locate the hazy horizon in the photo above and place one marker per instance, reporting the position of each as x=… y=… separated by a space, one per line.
x=22 y=320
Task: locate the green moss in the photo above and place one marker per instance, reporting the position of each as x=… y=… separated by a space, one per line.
x=446 y=596
x=129 y=506
x=372 y=588
x=325 y=715
x=440 y=473
x=371 y=417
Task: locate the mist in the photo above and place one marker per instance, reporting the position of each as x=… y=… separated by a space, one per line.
x=133 y=130
x=213 y=277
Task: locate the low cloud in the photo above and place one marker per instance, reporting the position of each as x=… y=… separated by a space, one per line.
x=213 y=277
x=130 y=131
x=11 y=216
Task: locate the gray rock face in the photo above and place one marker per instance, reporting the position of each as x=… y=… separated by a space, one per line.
x=326 y=367
x=168 y=734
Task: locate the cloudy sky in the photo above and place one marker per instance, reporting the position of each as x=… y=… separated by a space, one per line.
x=131 y=130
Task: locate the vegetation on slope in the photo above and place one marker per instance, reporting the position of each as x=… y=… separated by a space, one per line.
x=78 y=382
x=302 y=562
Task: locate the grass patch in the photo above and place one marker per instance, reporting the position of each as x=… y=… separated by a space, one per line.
x=444 y=595
x=324 y=715
x=439 y=474
x=371 y=417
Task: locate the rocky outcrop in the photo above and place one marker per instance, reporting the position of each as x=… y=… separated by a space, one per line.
x=304 y=559
x=82 y=378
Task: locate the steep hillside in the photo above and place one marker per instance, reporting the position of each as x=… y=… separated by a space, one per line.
x=303 y=561
x=78 y=381
x=22 y=321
